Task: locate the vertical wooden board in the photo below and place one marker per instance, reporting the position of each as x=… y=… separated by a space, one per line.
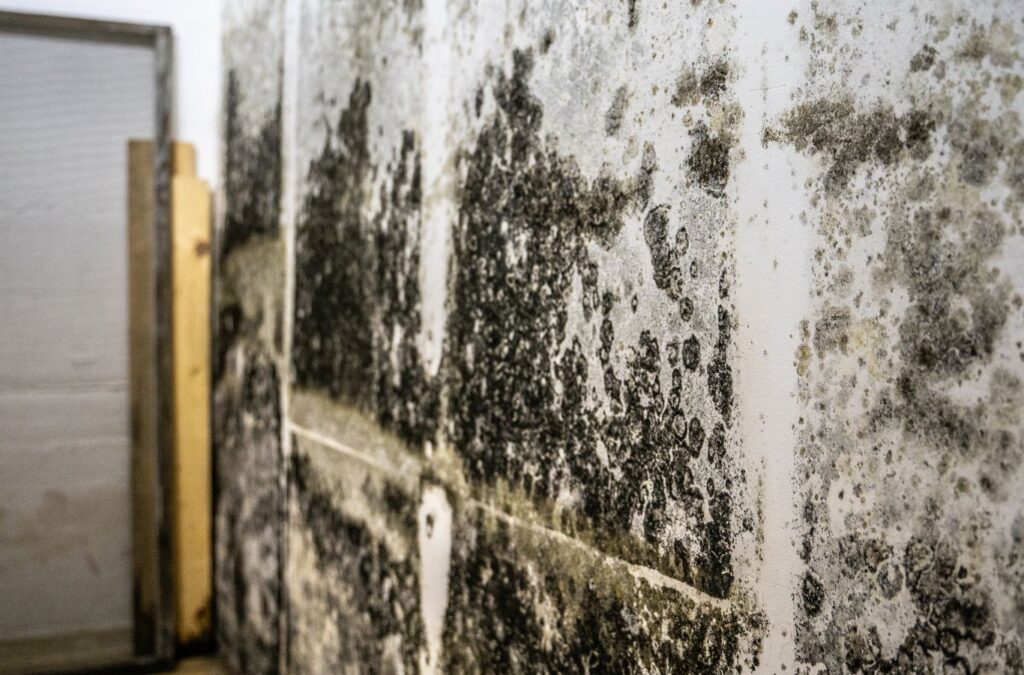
x=142 y=322
x=190 y=227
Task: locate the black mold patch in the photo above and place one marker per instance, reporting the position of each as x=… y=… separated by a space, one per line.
x=252 y=173
x=719 y=372
x=523 y=411
x=333 y=343
x=709 y=160
x=248 y=512
x=666 y=268
x=520 y=602
x=406 y=398
x=357 y=283
x=370 y=596
x=613 y=118
x=832 y=127
x=633 y=13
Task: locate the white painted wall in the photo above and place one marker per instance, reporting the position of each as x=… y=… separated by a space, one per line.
x=197 y=59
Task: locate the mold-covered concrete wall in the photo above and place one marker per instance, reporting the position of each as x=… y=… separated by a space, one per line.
x=621 y=336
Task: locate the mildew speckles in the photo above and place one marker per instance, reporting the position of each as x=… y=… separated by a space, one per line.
x=354 y=596
x=613 y=118
x=832 y=330
x=906 y=514
x=252 y=172
x=617 y=460
x=356 y=290
x=525 y=601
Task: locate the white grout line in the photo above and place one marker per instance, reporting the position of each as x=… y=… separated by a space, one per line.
x=347 y=450
x=648 y=574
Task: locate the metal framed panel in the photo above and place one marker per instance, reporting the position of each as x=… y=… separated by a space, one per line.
x=153 y=588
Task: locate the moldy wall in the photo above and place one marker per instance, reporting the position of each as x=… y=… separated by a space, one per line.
x=621 y=336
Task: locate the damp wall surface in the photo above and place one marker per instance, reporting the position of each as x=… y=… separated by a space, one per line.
x=621 y=337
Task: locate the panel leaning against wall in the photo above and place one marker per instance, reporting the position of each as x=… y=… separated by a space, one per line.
x=621 y=336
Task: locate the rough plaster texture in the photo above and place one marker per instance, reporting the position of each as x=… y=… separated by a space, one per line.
x=621 y=336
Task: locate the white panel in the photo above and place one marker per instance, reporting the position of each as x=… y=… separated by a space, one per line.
x=68 y=110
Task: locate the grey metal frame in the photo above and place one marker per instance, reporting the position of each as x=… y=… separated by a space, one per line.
x=153 y=626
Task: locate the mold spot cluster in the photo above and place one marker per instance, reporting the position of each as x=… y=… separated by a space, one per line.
x=252 y=172
x=691 y=87
x=907 y=452
x=523 y=409
x=667 y=259
x=848 y=139
x=356 y=289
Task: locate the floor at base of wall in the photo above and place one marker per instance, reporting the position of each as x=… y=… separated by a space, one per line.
x=201 y=665
x=88 y=650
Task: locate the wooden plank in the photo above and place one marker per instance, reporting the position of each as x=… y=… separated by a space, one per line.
x=192 y=501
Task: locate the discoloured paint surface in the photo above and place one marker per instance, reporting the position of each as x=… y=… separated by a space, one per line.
x=911 y=444
x=525 y=601
x=569 y=396
x=353 y=567
x=249 y=499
